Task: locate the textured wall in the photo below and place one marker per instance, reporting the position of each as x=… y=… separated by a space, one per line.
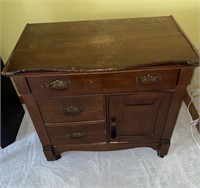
x=16 y=13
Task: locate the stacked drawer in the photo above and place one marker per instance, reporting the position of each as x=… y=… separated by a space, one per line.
x=68 y=119
x=73 y=120
x=73 y=106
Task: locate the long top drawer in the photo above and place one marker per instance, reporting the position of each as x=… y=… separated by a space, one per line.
x=81 y=84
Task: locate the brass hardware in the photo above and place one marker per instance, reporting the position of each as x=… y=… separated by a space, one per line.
x=72 y=110
x=58 y=84
x=77 y=134
x=148 y=79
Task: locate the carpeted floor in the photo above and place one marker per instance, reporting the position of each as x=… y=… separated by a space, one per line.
x=23 y=165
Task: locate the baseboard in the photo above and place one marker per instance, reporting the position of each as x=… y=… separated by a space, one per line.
x=193 y=111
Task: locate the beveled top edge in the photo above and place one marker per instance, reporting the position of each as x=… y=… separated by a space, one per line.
x=183 y=62
x=75 y=70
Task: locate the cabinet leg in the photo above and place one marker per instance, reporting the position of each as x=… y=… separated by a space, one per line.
x=57 y=157
x=48 y=152
x=163 y=148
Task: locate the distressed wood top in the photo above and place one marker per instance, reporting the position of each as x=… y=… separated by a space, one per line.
x=102 y=45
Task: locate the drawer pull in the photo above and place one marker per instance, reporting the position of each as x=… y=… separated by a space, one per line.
x=58 y=85
x=77 y=134
x=148 y=79
x=72 y=110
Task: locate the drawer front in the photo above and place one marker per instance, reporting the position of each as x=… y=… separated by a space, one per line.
x=81 y=84
x=76 y=134
x=71 y=109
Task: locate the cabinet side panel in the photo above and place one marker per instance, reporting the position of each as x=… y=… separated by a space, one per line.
x=36 y=118
x=185 y=76
x=21 y=84
x=174 y=111
x=37 y=121
x=184 y=80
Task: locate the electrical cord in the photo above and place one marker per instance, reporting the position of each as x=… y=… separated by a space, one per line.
x=193 y=122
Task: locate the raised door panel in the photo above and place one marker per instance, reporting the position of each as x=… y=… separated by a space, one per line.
x=138 y=117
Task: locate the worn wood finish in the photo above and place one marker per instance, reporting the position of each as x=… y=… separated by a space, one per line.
x=104 y=146
x=57 y=110
x=185 y=80
x=115 y=45
x=37 y=120
x=21 y=84
x=108 y=82
x=171 y=119
x=103 y=85
x=60 y=135
x=140 y=117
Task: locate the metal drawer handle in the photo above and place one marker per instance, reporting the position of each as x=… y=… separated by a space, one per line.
x=72 y=110
x=148 y=79
x=76 y=134
x=58 y=85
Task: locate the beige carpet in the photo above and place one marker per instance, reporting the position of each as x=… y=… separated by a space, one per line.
x=23 y=165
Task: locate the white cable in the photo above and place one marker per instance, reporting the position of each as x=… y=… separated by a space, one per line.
x=194 y=137
x=193 y=122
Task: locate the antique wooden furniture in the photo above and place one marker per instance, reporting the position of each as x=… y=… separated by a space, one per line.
x=103 y=85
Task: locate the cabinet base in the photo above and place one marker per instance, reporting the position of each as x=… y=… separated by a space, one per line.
x=54 y=153
x=163 y=148
x=49 y=154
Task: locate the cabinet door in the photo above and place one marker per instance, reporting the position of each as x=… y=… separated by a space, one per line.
x=139 y=117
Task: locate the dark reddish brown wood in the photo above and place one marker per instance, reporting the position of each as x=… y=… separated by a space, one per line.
x=115 y=45
x=185 y=77
x=37 y=121
x=103 y=146
x=140 y=117
x=172 y=117
x=133 y=72
x=104 y=83
x=21 y=84
x=185 y=80
x=185 y=36
x=54 y=110
x=164 y=147
x=48 y=152
x=93 y=133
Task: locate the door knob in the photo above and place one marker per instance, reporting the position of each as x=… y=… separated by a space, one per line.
x=113 y=128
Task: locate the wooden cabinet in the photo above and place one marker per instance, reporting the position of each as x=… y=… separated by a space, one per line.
x=103 y=85
x=139 y=117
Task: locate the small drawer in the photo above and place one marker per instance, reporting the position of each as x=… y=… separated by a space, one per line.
x=77 y=134
x=71 y=109
x=100 y=83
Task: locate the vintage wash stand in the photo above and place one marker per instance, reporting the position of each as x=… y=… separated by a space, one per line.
x=103 y=85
